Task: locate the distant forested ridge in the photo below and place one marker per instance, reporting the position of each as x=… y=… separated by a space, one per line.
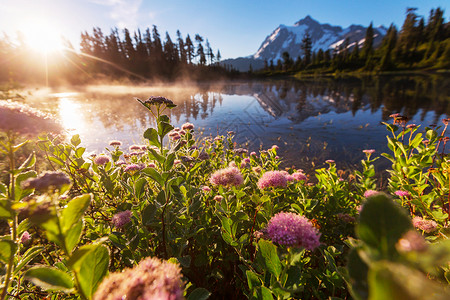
x=117 y=55
x=417 y=45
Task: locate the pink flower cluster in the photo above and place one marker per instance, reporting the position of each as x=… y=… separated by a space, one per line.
x=187 y=126
x=402 y=193
x=299 y=176
x=25 y=237
x=370 y=193
x=412 y=241
x=369 y=151
x=152 y=278
x=272 y=179
x=47 y=181
x=133 y=168
x=293 y=230
x=101 y=160
x=230 y=176
x=425 y=225
x=115 y=143
x=121 y=219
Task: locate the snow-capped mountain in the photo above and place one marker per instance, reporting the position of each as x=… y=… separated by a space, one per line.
x=323 y=36
x=289 y=38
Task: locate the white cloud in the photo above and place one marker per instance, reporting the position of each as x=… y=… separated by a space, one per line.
x=125 y=13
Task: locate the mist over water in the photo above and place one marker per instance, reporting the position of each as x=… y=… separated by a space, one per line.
x=310 y=120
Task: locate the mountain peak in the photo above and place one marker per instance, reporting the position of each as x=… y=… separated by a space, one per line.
x=308 y=20
x=323 y=36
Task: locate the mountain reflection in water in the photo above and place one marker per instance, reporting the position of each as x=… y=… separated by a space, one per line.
x=310 y=120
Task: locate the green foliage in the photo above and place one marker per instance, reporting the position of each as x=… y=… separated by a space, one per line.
x=162 y=203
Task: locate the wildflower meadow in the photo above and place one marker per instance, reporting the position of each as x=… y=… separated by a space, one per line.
x=183 y=217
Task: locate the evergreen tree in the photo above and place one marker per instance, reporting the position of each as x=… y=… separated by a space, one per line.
x=387 y=47
x=189 y=49
x=306 y=47
x=218 y=56
x=367 y=48
x=181 y=48
x=200 y=51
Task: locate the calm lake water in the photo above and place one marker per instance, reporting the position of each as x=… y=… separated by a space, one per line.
x=310 y=120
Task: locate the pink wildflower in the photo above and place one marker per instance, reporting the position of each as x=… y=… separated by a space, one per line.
x=132 y=168
x=115 y=143
x=152 y=278
x=299 y=176
x=227 y=176
x=257 y=169
x=287 y=176
x=176 y=162
x=253 y=153
x=120 y=162
x=272 y=179
x=274 y=147
x=346 y=218
x=329 y=161
x=25 y=237
x=290 y=229
x=151 y=165
x=401 y=193
x=369 y=151
x=187 y=126
x=206 y=188
x=244 y=164
x=425 y=225
x=121 y=219
x=134 y=148
x=218 y=198
x=101 y=160
x=370 y=193
x=47 y=181
x=412 y=241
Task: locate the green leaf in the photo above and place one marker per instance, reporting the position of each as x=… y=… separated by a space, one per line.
x=23 y=226
x=358 y=270
x=389 y=280
x=199 y=294
x=271 y=260
x=139 y=186
x=19 y=192
x=5 y=209
x=72 y=236
x=91 y=263
x=164 y=127
x=27 y=257
x=152 y=173
x=266 y=293
x=75 y=140
x=50 y=278
x=72 y=214
x=152 y=136
x=3 y=189
x=382 y=223
x=169 y=161
x=253 y=280
x=7 y=249
x=29 y=162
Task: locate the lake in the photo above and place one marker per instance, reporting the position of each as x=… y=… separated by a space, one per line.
x=311 y=120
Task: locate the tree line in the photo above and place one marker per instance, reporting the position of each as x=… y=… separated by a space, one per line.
x=119 y=54
x=419 y=44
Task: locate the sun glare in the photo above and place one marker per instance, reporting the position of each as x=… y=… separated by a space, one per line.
x=42 y=36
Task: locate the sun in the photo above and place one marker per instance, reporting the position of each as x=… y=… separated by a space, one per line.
x=41 y=35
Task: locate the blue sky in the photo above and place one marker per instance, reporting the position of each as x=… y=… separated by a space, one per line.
x=236 y=27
